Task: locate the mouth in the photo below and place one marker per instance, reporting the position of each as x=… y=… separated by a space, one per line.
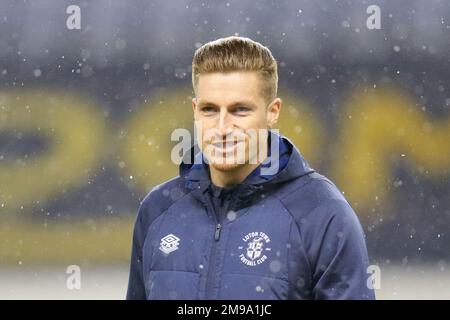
x=226 y=146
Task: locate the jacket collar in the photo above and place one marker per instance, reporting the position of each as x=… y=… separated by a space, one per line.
x=292 y=165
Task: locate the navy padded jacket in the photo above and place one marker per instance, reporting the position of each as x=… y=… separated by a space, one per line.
x=291 y=235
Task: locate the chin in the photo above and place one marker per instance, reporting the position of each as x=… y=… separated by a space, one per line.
x=226 y=167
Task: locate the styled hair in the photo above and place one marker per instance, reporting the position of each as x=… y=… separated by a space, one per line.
x=237 y=54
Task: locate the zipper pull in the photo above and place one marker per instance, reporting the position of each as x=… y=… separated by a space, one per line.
x=217 y=234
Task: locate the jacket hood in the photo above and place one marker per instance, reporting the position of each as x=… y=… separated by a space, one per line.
x=291 y=165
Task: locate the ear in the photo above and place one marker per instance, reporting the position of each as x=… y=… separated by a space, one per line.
x=194 y=104
x=273 y=112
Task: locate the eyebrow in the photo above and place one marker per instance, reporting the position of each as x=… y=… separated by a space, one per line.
x=234 y=104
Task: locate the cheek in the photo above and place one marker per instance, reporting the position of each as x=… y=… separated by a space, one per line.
x=206 y=122
x=256 y=122
x=206 y=134
x=207 y=126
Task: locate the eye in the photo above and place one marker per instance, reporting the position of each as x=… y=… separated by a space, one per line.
x=241 y=110
x=208 y=109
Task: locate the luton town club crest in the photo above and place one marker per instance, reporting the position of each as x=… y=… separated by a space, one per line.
x=256 y=246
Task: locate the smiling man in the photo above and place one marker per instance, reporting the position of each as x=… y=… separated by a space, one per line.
x=232 y=111
x=249 y=218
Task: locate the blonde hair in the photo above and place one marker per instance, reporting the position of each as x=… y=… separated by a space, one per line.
x=237 y=54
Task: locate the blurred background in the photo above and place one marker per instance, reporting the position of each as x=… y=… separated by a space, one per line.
x=86 y=116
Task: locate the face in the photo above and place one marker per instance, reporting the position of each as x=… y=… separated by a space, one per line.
x=229 y=111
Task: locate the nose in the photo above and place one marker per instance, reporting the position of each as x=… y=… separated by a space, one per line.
x=225 y=125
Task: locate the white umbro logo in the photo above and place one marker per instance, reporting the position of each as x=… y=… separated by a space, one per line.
x=169 y=243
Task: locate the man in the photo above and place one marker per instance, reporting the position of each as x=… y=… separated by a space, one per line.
x=238 y=225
